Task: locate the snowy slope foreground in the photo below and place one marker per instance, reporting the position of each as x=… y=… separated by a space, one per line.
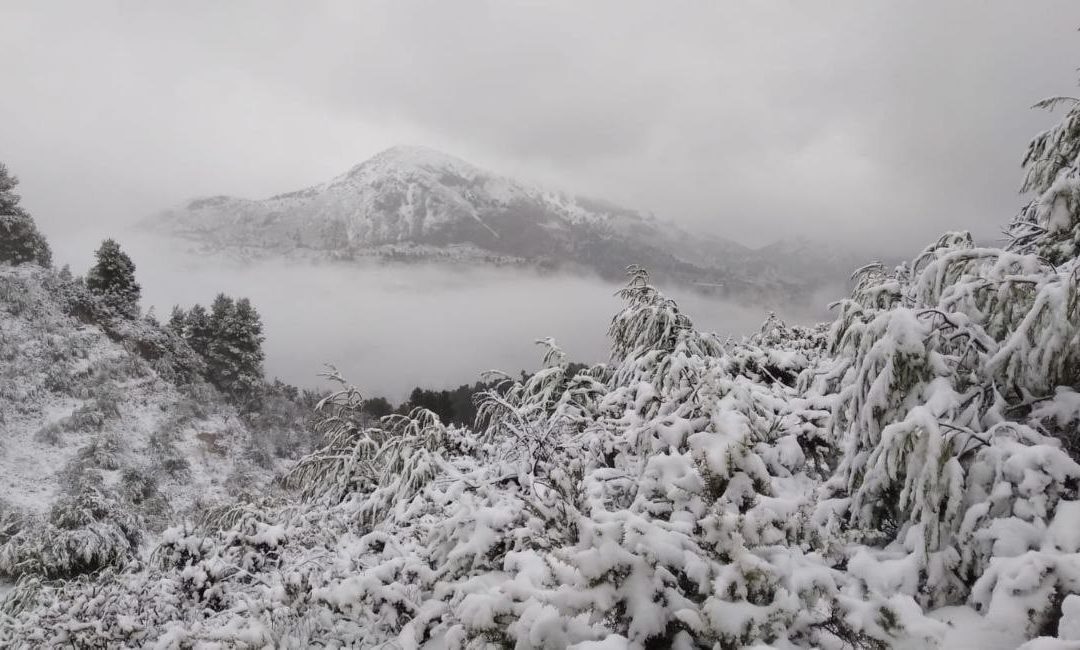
x=417 y=204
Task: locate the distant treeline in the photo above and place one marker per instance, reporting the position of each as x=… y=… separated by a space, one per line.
x=453 y=406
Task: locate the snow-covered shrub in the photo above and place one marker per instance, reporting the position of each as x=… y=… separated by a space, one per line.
x=79 y=302
x=166 y=455
x=12 y=520
x=198 y=398
x=103 y=452
x=167 y=353
x=88 y=418
x=83 y=533
x=283 y=417
x=949 y=373
x=58 y=379
x=139 y=487
x=778 y=352
x=15 y=297
x=390 y=462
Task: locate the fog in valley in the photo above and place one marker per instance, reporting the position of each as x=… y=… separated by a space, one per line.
x=391 y=327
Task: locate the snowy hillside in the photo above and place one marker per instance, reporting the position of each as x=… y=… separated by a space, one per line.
x=415 y=203
x=68 y=391
x=111 y=414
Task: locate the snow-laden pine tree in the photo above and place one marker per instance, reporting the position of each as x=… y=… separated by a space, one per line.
x=234 y=352
x=197 y=330
x=112 y=278
x=229 y=338
x=20 y=241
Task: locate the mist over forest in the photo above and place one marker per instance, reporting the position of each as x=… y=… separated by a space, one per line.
x=391 y=328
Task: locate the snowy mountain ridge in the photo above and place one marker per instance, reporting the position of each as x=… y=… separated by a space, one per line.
x=423 y=204
x=402 y=194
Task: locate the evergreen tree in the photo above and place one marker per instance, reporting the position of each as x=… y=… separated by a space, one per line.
x=113 y=279
x=20 y=240
x=247 y=344
x=377 y=407
x=234 y=352
x=229 y=339
x=197 y=330
x=177 y=319
x=219 y=357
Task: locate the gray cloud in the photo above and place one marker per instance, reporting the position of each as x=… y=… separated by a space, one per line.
x=878 y=124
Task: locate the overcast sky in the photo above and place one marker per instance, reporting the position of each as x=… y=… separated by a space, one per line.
x=881 y=123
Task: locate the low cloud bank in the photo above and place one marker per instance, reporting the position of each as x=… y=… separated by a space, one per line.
x=391 y=327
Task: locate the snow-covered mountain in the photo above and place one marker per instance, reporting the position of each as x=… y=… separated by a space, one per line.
x=412 y=202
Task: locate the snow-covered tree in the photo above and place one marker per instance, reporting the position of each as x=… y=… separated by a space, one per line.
x=112 y=278
x=234 y=352
x=229 y=338
x=196 y=329
x=20 y=240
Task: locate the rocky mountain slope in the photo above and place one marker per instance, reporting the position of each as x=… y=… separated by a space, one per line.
x=415 y=203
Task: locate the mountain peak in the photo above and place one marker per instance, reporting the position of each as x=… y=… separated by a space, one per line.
x=412 y=152
x=414 y=157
